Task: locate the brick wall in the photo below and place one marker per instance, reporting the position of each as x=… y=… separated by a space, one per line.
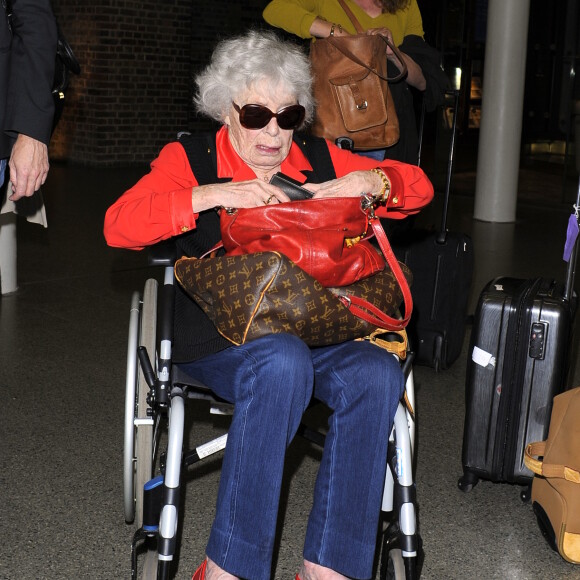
x=137 y=58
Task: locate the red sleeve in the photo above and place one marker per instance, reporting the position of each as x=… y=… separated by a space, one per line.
x=411 y=189
x=157 y=207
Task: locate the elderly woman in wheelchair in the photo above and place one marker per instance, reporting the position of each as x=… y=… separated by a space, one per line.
x=259 y=89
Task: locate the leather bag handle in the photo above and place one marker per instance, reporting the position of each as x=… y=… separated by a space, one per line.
x=398 y=347
x=398 y=273
x=534 y=449
x=548 y=469
x=351 y=56
x=369 y=312
x=361 y=30
x=351 y=17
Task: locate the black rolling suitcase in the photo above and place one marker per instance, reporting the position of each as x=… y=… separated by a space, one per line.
x=442 y=266
x=518 y=361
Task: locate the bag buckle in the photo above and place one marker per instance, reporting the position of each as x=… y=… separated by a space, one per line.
x=367 y=203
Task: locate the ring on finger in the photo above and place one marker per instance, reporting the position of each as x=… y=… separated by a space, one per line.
x=269 y=200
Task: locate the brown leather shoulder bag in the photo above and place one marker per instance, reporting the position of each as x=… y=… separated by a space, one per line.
x=351 y=88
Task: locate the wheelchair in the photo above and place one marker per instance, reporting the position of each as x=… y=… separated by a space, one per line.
x=155 y=460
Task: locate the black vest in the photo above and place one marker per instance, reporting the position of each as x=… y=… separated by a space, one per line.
x=195 y=335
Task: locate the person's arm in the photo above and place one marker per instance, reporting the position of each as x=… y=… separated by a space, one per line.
x=414 y=27
x=414 y=21
x=409 y=182
x=157 y=207
x=294 y=16
x=410 y=188
x=30 y=105
x=415 y=76
x=321 y=28
x=168 y=200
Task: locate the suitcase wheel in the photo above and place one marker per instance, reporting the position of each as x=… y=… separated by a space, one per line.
x=467 y=481
x=526 y=493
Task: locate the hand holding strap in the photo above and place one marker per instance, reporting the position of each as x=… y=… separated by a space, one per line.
x=350 y=55
x=361 y=30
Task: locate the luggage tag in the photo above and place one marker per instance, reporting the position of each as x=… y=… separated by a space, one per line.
x=571 y=233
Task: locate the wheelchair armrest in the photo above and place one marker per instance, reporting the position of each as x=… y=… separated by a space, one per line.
x=163 y=253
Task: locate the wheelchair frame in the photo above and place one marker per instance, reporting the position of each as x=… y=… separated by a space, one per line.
x=156 y=391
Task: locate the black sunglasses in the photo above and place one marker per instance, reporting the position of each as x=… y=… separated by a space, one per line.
x=258 y=116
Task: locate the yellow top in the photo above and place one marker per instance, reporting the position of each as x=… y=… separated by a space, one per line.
x=297 y=16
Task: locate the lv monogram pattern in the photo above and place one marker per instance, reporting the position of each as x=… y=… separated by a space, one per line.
x=380 y=289
x=252 y=295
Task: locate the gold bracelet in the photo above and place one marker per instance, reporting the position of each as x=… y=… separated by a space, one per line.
x=333 y=27
x=386 y=189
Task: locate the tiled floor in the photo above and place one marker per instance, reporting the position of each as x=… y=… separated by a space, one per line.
x=62 y=355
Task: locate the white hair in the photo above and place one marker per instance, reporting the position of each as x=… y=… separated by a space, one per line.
x=243 y=61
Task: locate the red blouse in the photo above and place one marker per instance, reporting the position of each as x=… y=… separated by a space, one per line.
x=159 y=205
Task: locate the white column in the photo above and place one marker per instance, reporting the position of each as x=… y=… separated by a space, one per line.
x=8 y=253
x=496 y=185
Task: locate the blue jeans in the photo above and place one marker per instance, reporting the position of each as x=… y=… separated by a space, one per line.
x=3 y=163
x=378 y=154
x=271 y=381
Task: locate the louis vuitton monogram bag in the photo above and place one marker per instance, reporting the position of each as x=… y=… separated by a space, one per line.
x=252 y=295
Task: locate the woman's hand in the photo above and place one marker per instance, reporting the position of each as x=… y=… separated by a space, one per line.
x=387 y=34
x=239 y=194
x=28 y=166
x=415 y=76
x=256 y=193
x=352 y=185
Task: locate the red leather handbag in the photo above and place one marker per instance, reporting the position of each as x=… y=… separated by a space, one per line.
x=327 y=238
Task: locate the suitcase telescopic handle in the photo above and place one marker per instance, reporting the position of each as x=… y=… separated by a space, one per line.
x=571 y=267
x=442 y=235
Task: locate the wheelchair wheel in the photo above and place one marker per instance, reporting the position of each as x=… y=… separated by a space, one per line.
x=150 y=560
x=130 y=390
x=145 y=567
x=394 y=567
x=138 y=449
x=392 y=564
